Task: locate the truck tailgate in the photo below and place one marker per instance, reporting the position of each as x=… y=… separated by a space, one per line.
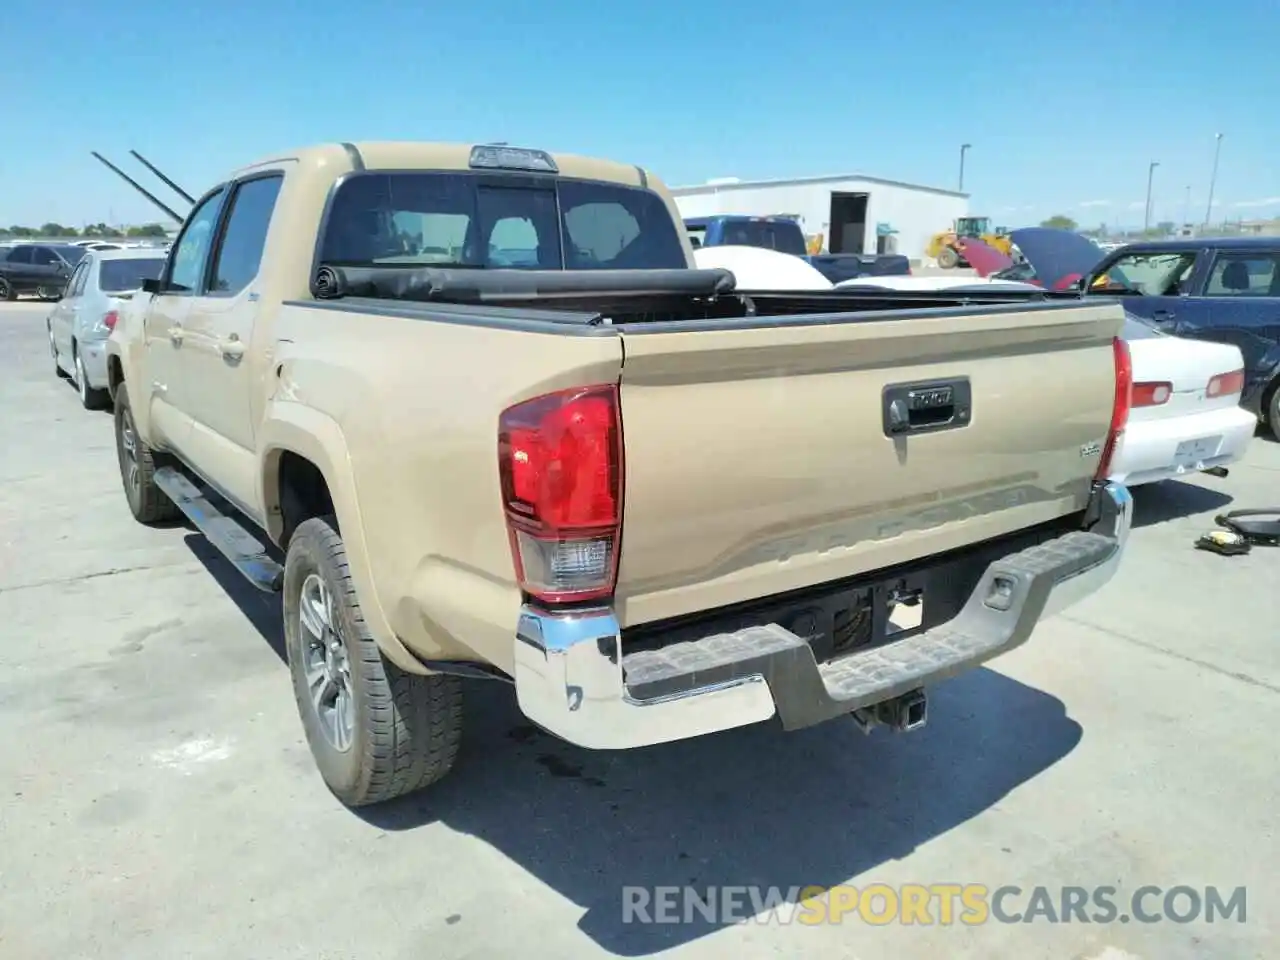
x=757 y=459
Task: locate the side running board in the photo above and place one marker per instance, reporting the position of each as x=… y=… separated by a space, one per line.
x=246 y=553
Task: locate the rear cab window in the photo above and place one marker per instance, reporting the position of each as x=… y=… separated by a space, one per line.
x=492 y=220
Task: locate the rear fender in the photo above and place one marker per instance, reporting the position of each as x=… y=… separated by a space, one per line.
x=315 y=436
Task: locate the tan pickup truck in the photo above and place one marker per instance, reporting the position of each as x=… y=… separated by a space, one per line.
x=474 y=414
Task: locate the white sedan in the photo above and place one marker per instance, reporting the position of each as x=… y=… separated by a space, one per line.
x=1186 y=415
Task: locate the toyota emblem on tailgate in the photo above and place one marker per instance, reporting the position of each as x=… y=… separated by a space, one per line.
x=929 y=399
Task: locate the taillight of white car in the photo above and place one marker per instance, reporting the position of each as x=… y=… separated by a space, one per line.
x=1225 y=384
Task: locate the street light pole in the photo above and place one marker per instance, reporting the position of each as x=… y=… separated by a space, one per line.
x=1213 y=178
x=964 y=147
x=1186 y=208
x=1151 y=172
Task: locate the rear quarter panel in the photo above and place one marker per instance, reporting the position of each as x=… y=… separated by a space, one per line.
x=414 y=405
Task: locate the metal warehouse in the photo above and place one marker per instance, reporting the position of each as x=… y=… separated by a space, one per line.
x=848 y=213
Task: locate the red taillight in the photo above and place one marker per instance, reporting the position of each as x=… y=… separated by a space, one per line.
x=1151 y=394
x=1225 y=384
x=1120 y=405
x=110 y=319
x=560 y=466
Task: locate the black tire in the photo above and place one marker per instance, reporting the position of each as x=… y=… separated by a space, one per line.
x=47 y=294
x=401 y=731
x=91 y=398
x=147 y=502
x=1271 y=409
x=6 y=290
x=948 y=259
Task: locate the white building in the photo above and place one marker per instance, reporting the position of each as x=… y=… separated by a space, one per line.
x=852 y=213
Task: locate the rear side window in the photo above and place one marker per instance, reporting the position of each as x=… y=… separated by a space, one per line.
x=1244 y=275
x=77 y=283
x=465 y=220
x=19 y=255
x=191 y=251
x=239 y=255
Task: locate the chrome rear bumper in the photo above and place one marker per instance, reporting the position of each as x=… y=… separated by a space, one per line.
x=574 y=680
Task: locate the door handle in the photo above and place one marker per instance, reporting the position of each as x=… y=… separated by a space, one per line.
x=175 y=334
x=231 y=348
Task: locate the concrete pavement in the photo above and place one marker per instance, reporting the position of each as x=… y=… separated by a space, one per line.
x=157 y=799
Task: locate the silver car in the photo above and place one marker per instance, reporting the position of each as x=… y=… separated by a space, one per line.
x=82 y=320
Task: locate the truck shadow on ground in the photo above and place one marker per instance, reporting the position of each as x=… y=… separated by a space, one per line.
x=749 y=807
x=753 y=807
x=1173 y=500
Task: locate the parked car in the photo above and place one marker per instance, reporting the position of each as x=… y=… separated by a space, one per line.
x=785 y=235
x=87 y=313
x=37 y=268
x=1185 y=415
x=1225 y=290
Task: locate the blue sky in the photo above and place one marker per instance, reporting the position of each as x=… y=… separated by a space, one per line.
x=1065 y=104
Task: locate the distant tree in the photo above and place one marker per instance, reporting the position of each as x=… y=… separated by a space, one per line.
x=16 y=231
x=1059 y=222
x=101 y=230
x=147 y=230
x=52 y=229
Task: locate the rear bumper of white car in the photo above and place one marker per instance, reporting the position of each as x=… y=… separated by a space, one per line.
x=1171 y=447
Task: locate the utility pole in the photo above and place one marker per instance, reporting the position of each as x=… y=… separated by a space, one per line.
x=964 y=147
x=1186 y=208
x=1151 y=172
x=1213 y=178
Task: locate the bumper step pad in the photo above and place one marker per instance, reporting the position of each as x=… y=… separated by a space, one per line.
x=806 y=693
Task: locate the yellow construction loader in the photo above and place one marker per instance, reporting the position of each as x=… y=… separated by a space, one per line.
x=943 y=245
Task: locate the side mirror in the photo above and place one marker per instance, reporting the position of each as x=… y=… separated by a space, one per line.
x=151 y=285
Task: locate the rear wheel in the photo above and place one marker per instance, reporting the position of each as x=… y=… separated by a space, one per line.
x=375 y=732
x=147 y=501
x=1271 y=409
x=948 y=258
x=47 y=293
x=6 y=290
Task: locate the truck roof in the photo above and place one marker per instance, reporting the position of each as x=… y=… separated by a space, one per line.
x=414 y=155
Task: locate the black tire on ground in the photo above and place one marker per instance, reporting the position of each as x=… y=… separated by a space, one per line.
x=6 y=290
x=1271 y=409
x=400 y=732
x=91 y=398
x=147 y=502
x=47 y=294
x=948 y=258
